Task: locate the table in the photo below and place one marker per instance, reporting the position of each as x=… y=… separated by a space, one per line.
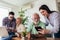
x=17 y=38
x=53 y=38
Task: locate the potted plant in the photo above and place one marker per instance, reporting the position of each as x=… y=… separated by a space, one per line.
x=24 y=22
x=23 y=35
x=22 y=15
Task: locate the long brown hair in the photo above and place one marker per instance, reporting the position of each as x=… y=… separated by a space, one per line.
x=45 y=7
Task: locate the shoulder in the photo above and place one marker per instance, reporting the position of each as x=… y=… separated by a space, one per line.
x=41 y=22
x=14 y=19
x=5 y=19
x=21 y=25
x=30 y=25
x=55 y=13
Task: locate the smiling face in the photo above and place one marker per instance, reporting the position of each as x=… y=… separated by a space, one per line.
x=44 y=12
x=35 y=17
x=18 y=21
x=11 y=17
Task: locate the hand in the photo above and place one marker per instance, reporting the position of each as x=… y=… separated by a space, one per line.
x=18 y=34
x=28 y=36
x=9 y=28
x=44 y=31
x=14 y=30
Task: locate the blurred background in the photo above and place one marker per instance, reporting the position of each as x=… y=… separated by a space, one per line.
x=25 y=8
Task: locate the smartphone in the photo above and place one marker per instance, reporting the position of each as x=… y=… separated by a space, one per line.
x=37 y=28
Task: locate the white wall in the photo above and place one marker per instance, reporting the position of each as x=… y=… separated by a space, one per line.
x=50 y=3
x=58 y=0
x=9 y=7
x=36 y=5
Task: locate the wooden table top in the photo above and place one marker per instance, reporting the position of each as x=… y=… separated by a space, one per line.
x=17 y=38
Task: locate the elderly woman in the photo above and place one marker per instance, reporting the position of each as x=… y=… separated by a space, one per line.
x=19 y=26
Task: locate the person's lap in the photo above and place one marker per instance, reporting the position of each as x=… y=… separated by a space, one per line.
x=11 y=34
x=7 y=38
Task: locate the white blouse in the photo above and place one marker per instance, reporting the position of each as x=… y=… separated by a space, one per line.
x=53 y=22
x=20 y=28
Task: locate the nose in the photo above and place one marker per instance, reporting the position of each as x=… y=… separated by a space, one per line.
x=42 y=13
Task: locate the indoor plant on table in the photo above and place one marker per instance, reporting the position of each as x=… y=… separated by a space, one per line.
x=24 y=22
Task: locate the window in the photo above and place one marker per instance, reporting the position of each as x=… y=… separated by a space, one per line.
x=3 y=13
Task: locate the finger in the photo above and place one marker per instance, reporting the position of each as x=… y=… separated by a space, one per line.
x=39 y=32
x=39 y=29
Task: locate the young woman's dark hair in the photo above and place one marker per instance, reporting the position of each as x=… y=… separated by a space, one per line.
x=11 y=13
x=45 y=7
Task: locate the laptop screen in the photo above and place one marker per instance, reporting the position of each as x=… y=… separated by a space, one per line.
x=3 y=32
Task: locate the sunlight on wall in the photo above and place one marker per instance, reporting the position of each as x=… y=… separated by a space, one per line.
x=3 y=13
x=36 y=6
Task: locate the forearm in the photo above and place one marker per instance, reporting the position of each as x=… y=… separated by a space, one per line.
x=52 y=29
x=28 y=36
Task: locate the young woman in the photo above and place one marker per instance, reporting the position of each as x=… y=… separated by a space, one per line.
x=52 y=21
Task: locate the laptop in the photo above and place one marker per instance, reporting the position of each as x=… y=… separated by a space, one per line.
x=3 y=32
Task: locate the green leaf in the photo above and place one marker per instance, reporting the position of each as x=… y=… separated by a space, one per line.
x=24 y=20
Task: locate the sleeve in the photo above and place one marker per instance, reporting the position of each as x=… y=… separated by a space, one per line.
x=4 y=22
x=55 y=28
x=43 y=25
x=29 y=28
x=23 y=29
x=14 y=25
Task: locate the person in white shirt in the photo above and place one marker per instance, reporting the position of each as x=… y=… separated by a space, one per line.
x=52 y=21
x=19 y=26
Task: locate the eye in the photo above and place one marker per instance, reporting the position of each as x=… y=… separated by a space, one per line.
x=42 y=12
